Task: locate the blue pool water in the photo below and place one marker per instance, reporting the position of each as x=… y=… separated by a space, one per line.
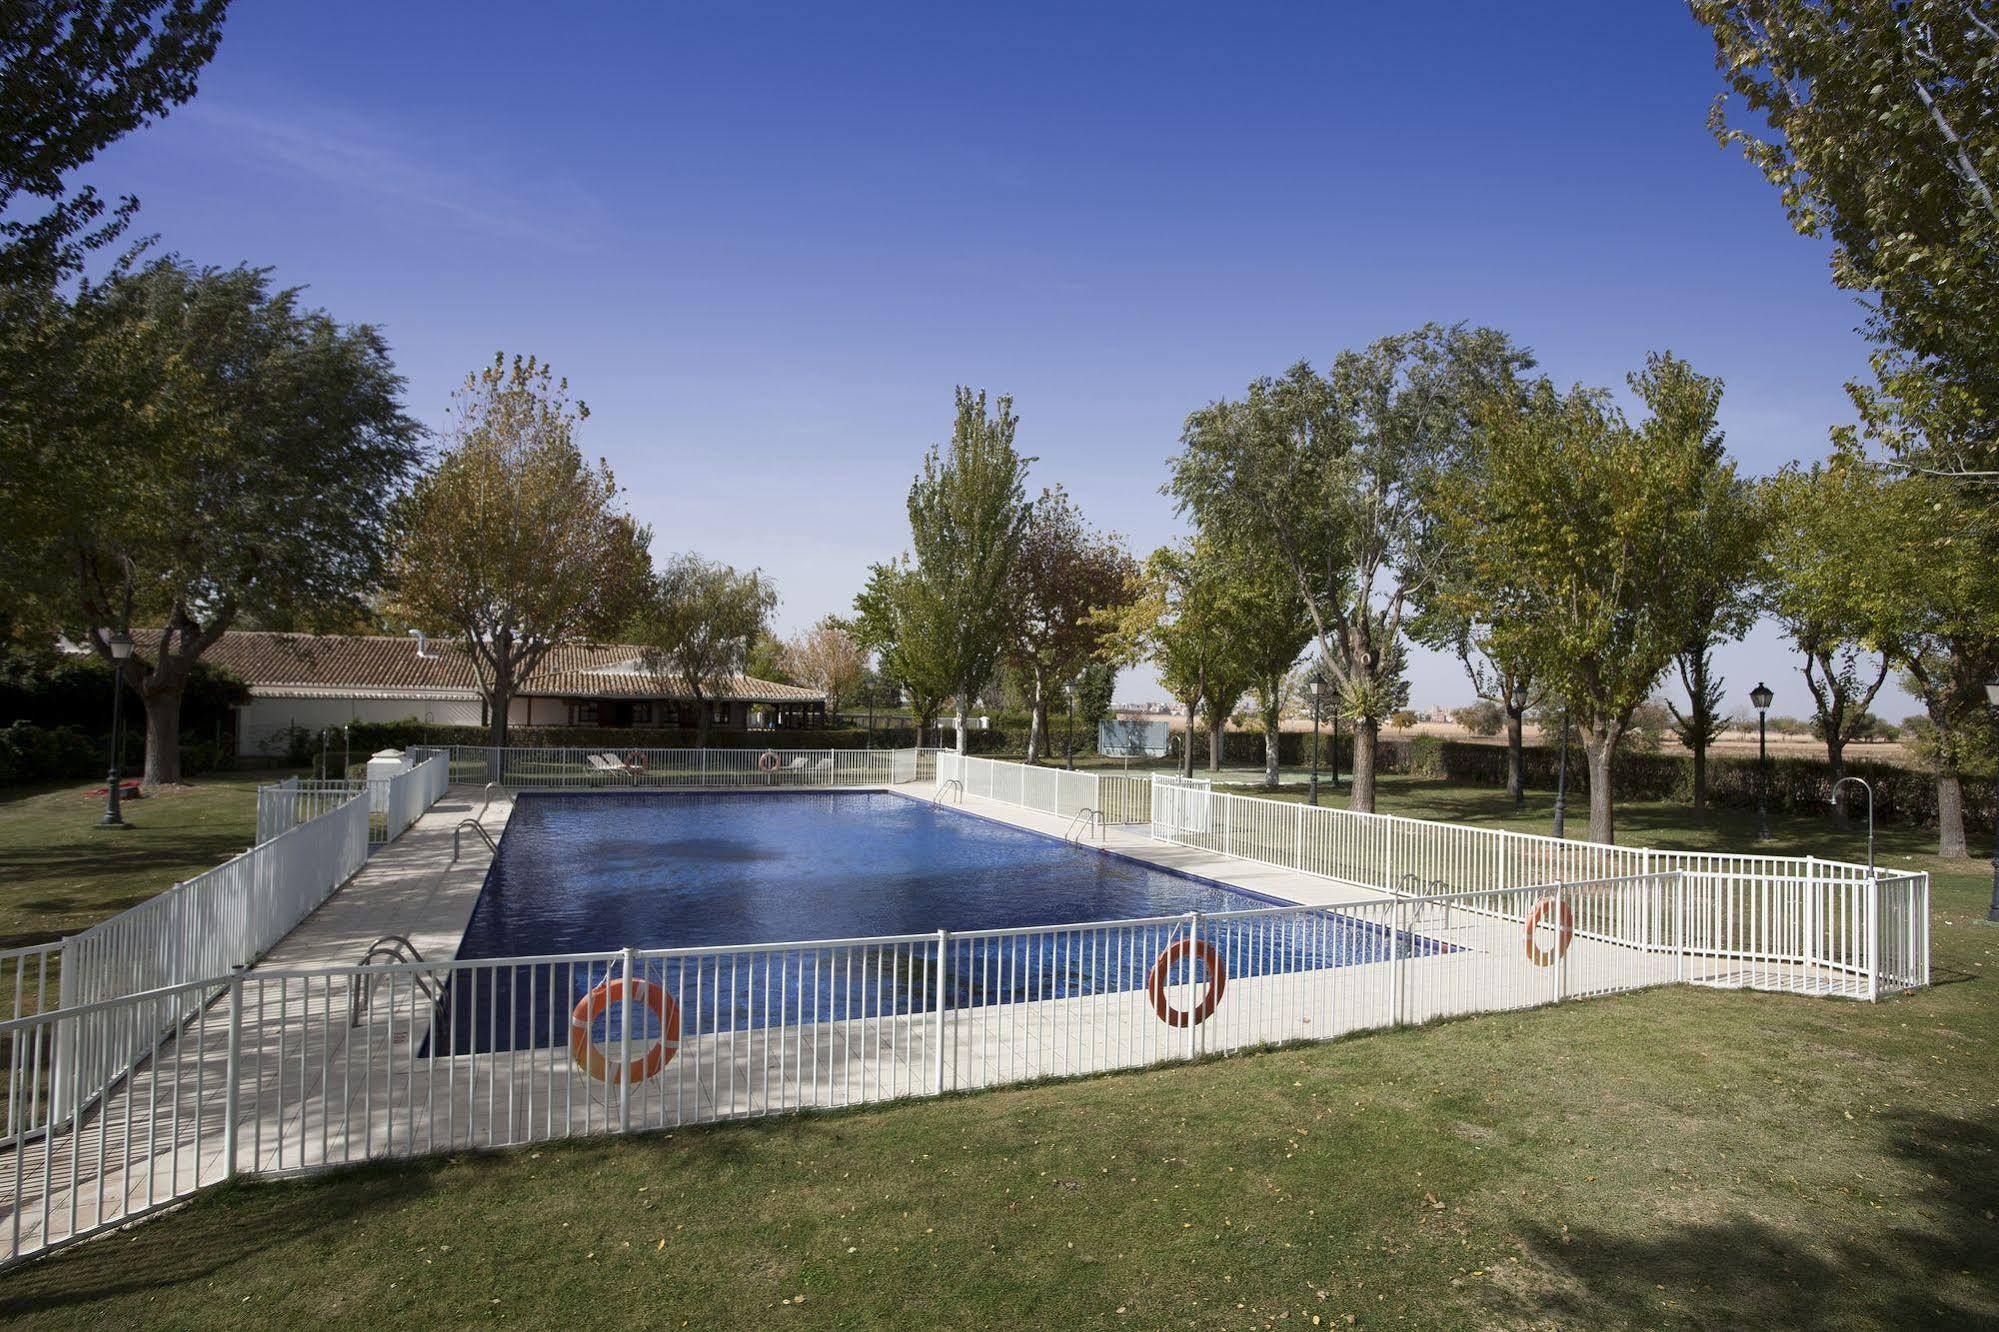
x=580 y=874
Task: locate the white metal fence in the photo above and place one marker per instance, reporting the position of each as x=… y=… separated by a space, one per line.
x=394 y=803
x=643 y=768
x=1109 y=797
x=273 y=1072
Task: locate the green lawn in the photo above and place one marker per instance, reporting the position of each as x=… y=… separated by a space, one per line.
x=1677 y=1158
x=60 y=872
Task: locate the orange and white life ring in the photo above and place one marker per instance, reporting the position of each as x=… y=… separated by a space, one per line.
x=768 y=761
x=1155 y=982
x=648 y=1065
x=1565 y=931
x=636 y=761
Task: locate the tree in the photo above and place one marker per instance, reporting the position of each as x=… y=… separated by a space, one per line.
x=1721 y=604
x=1580 y=543
x=514 y=542
x=1066 y=578
x=1268 y=627
x=828 y=657
x=695 y=625
x=1090 y=696
x=1175 y=618
x=968 y=514
x=1334 y=474
x=1880 y=128
x=214 y=452
x=1826 y=523
x=899 y=619
x=74 y=77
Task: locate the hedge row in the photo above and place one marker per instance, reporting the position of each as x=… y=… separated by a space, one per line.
x=31 y=753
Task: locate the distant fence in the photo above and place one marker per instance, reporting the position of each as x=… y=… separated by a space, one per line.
x=394 y=803
x=1111 y=797
x=655 y=768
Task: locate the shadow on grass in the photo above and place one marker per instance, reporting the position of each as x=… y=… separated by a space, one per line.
x=218 y=1231
x=1926 y=1264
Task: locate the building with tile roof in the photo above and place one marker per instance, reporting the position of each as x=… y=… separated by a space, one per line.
x=318 y=680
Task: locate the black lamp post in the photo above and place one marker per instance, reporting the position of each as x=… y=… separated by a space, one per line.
x=120 y=644
x=1069 y=741
x=1317 y=684
x=1562 y=776
x=1761 y=697
x=1992 y=911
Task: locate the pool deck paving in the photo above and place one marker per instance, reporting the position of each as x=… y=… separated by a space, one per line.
x=316 y=1090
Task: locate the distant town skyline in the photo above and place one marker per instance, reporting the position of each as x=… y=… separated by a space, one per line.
x=765 y=242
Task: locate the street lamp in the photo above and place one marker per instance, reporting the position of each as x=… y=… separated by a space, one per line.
x=1562 y=775
x=1069 y=742
x=1992 y=911
x=1316 y=682
x=1868 y=787
x=120 y=644
x=1761 y=697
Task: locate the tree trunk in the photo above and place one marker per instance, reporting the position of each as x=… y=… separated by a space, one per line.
x=163 y=736
x=1835 y=762
x=1700 y=774
x=959 y=719
x=1270 y=736
x=1037 y=721
x=701 y=721
x=1365 y=731
x=1950 y=817
x=1516 y=774
x=1599 y=747
x=1217 y=744
x=1187 y=757
x=500 y=702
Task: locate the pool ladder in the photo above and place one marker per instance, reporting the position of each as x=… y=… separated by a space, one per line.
x=948 y=786
x=1435 y=886
x=392 y=948
x=1090 y=819
x=476 y=827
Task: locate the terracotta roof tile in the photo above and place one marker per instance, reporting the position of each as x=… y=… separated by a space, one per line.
x=276 y=664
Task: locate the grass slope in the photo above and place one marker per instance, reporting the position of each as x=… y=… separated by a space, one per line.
x=1679 y=1158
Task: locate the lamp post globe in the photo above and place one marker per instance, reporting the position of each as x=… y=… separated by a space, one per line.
x=1761 y=697
x=119 y=643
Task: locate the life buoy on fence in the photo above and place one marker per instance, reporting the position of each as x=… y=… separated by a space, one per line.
x=1566 y=931
x=768 y=761
x=1155 y=982
x=635 y=761
x=648 y=1065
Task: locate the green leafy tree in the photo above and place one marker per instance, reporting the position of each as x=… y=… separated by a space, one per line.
x=1269 y=626
x=219 y=454
x=1581 y=544
x=968 y=515
x=1334 y=474
x=827 y=657
x=515 y=542
x=1879 y=125
x=1826 y=525
x=696 y=624
x=75 y=77
x=1090 y=698
x=899 y=618
x=1068 y=579
x=1176 y=618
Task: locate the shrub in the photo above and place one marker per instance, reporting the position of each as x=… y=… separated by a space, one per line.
x=1481 y=718
x=30 y=753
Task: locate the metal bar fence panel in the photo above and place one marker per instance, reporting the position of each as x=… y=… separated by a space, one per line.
x=655 y=769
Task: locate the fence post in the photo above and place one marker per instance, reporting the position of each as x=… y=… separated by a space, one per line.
x=1193 y=985
x=1680 y=925
x=625 y=1049
x=1298 y=839
x=231 y=1096
x=937 y=1062
x=1395 y=964
x=1561 y=955
x=1874 y=938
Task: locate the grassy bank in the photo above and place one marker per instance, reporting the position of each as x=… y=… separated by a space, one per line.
x=60 y=872
x=1678 y=1158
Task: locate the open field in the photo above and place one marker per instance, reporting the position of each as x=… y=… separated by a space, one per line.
x=1674 y=1158
x=60 y=872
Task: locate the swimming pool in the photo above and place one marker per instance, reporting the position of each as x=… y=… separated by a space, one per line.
x=721 y=871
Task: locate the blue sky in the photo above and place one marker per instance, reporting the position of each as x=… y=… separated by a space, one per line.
x=764 y=242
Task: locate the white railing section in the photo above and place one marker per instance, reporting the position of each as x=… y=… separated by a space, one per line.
x=394 y=803
x=220 y=919
x=659 y=768
x=277 y=1072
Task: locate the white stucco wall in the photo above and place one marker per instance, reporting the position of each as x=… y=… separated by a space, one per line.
x=261 y=724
